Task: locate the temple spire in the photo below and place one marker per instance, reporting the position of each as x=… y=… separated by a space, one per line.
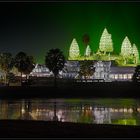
x=74 y=51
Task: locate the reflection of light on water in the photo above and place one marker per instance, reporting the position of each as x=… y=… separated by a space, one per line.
x=130 y=110
x=99 y=114
x=120 y=110
x=138 y=109
x=62 y=120
x=125 y=122
x=75 y=112
x=112 y=110
x=125 y=109
x=59 y=115
x=23 y=110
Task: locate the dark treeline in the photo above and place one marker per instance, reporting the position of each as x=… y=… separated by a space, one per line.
x=22 y=62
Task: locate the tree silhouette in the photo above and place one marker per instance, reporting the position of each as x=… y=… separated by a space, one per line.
x=86 y=39
x=136 y=75
x=86 y=69
x=29 y=65
x=6 y=64
x=55 y=61
x=24 y=63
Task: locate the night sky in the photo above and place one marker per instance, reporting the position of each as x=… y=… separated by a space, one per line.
x=37 y=27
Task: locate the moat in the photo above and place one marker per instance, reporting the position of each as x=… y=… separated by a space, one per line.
x=92 y=111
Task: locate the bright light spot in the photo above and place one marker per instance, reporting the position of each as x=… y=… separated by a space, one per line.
x=125 y=109
x=23 y=110
x=130 y=110
x=121 y=110
x=74 y=51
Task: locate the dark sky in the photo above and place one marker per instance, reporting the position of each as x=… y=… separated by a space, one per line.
x=37 y=27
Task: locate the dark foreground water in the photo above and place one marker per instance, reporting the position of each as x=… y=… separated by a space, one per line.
x=98 y=111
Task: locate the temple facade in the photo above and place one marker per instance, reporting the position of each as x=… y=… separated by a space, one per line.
x=106 y=65
x=129 y=54
x=104 y=70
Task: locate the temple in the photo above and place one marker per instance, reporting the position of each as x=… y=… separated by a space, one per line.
x=100 y=66
x=129 y=55
x=108 y=67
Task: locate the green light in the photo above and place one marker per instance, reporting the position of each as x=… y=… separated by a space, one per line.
x=129 y=55
x=135 y=54
x=125 y=122
x=106 y=44
x=126 y=48
x=88 y=51
x=74 y=51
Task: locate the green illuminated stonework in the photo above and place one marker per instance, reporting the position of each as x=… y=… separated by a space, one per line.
x=74 y=52
x=106 y=44
x=129 y=55
x=88 y=51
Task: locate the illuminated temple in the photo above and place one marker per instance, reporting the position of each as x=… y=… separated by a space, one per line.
x=129 y=55
x=107 y=66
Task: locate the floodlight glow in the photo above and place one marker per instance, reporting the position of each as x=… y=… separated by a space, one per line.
x=106 y=44
x=135 y=53
x=128 y=56
x=88 y=51
x=74 y=51
x=126 y=48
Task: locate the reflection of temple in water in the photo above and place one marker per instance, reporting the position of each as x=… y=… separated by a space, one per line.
x=68 y=112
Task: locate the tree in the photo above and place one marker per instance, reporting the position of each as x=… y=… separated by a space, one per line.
x=86 y=69
x=74 y=51
x=136 y=75
x=24 y=63
x=30 y=64
x=6 y=64
x=20 y=62
x=86 y=39
x=55 y=61
x=10 y=77
x=106 y=44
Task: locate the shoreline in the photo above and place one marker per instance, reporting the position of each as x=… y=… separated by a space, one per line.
x=50 y=129
x=79 y=90
x=42 y=129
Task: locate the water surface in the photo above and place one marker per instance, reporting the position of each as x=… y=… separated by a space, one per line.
x=96 y=111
